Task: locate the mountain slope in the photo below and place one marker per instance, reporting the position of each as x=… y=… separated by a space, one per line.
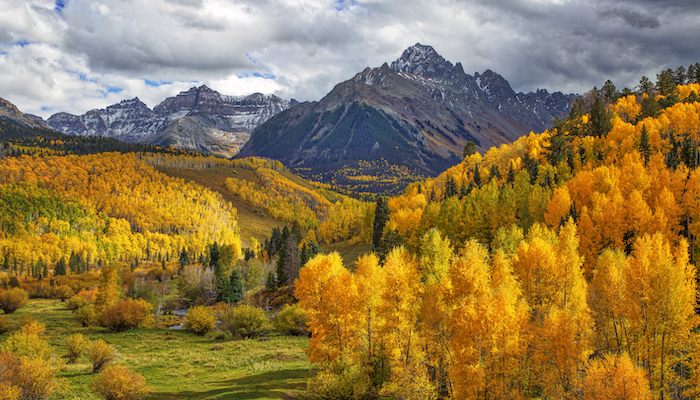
x=416 y=115
x=199 y=119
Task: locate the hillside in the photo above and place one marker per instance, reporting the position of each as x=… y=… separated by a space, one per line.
x=558 y=266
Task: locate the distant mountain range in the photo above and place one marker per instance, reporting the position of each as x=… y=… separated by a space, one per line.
x=199 y=119
x=417 y=113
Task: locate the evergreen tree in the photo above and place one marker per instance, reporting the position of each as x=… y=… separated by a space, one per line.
x=184 y=258
x=270 y=282
x=644 y=147
x=469 y=149
x=236 y=286
x=214 y=255
x=60 y=268
x=645 y=86
x=450 y=187
x=381 y=217
x=477 y=176
x=511 y=174
x=600 y=124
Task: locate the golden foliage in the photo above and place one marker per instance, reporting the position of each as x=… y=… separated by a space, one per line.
x=13 y=299
x=100 y=354
x=199 y=320
x=120 y=383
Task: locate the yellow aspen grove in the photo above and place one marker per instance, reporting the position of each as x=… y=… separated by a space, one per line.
x=660 y=300
x=435 y=258
x=606 y=300
x=615 y=377
x=485 y=321
x=328 y=292
x=399 y=311
x=368 y=274
x=549 y=270
x=108 y=291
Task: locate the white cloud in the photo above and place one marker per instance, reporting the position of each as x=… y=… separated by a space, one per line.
x=93 y=53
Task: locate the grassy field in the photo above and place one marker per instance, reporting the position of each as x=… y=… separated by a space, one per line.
x=180 y=365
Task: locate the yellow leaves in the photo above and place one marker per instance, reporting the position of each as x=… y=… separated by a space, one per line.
x=615 y=378
x=626 y=108
x=558 y=208
x=327 y=290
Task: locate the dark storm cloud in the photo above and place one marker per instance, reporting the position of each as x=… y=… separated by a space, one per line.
x=302 y=48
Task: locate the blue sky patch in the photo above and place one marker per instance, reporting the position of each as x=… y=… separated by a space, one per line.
x=257 y=75
x=156 y=83
x=342 y=5
x=60 y=5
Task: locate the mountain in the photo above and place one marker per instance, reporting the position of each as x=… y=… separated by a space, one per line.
x=9 y=112
x=415 y=115
x=199 y=119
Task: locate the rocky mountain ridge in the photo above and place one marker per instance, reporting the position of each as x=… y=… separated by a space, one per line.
x=198 y=119
x=417 y=113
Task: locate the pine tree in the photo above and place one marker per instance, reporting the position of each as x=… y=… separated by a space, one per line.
x=644 y=147
x=236 y=286
x=600 y=124
x=60 y=268
x=381 y=216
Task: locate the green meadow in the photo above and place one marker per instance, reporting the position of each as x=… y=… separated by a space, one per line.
x=178 y=364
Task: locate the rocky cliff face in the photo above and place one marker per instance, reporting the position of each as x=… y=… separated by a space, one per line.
x=417 y=113
x=199 y=119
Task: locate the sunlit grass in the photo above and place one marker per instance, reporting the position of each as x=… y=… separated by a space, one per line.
x=180 y=365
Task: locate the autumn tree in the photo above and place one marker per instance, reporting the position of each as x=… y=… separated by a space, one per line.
x=329 y=294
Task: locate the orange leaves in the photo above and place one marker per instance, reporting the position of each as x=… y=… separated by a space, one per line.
x=615 y=378
x=329 y=294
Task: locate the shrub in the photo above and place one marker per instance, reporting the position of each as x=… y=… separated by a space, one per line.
x=126 y=314
x=100 y=354
x=119 y=383
x=13 y=299
x=85 y=315
x=4 y=324
x=244 y=321
x=76 y=344
x=199 y=320
x=32 y=327
x=27 y=378
x=83 y=298
x=62 y=292
x=291 y=320
x=27 y=345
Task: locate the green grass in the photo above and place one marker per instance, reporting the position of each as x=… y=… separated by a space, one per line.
x=180 y=365
x=348 y=252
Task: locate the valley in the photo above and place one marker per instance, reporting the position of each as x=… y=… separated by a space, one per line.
x=558 y=264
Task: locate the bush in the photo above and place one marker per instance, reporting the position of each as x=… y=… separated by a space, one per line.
x=4 y=324
x=199 y=320
x=76 y=344
x=13 y=299
x=83 y=298
x=291 y=320
x=119 y=383
x=85 y=315
x=244 y=321
x=31 y=327
x=100 y=354
x=62 y=292
x=27 y=378
x=126 y=314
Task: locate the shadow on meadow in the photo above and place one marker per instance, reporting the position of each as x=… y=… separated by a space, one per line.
x=283 y=384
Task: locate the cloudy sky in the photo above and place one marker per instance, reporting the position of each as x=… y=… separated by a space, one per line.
x=76 y=55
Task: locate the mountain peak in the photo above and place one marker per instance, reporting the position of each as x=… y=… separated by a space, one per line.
x=425 y=61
